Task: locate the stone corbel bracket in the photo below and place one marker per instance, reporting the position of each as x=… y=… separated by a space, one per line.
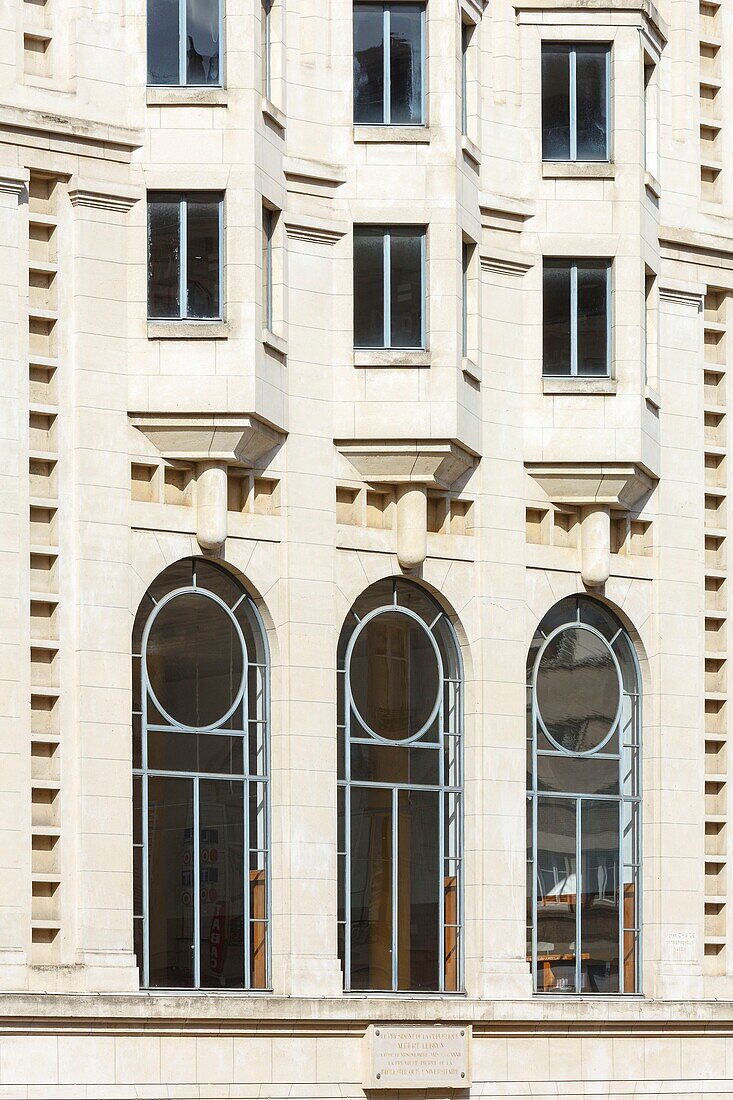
x=211 y=443
x=411 y=467
x=596 y=489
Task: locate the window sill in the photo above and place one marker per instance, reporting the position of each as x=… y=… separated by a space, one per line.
x=391 y=357
x=585 y=169
x=185 y=96
x=275 y=343
x=273 y=113
x=392 y=135
x=470 y=150
x=472 y=369
x=188 y=330
x=653 y=185
x=578 y=385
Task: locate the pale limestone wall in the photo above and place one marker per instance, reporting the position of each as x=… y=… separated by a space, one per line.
x=89 y=123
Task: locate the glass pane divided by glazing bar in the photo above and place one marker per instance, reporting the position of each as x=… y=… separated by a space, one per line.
x=389 y=48
x=368 y=64
x=202 y=41
x=164 y=255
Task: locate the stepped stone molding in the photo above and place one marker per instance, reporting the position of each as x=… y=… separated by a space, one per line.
x=13 y=181
x=101 y=196
x=620 y=485
x=211 y=443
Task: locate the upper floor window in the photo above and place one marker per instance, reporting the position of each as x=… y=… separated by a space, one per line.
x=576 y=317
x=400 y=814
x=575 y=94
x=184 y=39
x=584 y=803
x=389 y=64
x=389 y=286
x=267 y=48
x=184 y=255
x=200 y=783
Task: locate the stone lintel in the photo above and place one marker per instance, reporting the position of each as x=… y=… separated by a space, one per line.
x=431 y=462
x=238 y=439
x=619 y=485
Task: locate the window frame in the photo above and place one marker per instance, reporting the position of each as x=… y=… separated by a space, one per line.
x=448 y=762
x=184 y=197
x=386 y=7
x=603 y=263
x=269 y=222
x=148 y=610
x=573 y=48
x=182 y=82
x=267 y=6
x=386 y=232
x=623 y=799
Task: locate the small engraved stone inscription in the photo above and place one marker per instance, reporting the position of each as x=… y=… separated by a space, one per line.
x=407 y=1057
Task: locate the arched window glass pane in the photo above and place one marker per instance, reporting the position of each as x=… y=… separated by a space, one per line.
x=200 y=763
x=584 y=802
x=400 y=788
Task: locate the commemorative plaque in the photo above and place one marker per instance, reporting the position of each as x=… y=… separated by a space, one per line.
x=417 y=1057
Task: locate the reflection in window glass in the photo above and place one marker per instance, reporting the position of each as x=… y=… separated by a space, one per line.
x=201 y=846
x=575 y=102
x=196 y=24
x=388 y=64
x=184 y=255
x=389 y=287
x=576 y=317
x=400 y=790
x=584 y=843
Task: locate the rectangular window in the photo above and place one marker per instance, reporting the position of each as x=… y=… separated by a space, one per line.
x=389 y=287
x=267 y=48
x=184 y=255
x=575 y=96
x=389 y=64
x=268 y=230
x=466 y=35
x=184 y=39
x=576 y=321
x=465 y=264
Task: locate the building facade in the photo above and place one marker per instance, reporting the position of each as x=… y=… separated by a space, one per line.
x=363 y=407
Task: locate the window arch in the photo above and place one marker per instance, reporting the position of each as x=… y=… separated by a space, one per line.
x=584 y=802
x=400 y=792
x=200 y=782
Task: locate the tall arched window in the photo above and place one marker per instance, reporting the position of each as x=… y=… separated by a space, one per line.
x=200 y=769
x=584 y=802
x=400 y=792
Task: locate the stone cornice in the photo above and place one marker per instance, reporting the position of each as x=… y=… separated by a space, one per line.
x=436 y=462
x=222 y=1014
x=100 y=196
x=615 y=484
x=317 y=232
x=239 y=439
x=506 y=265
x=110 y=142
x=643 y=8
x=13 y=181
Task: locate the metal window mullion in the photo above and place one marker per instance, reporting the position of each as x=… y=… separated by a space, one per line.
x=573 y=319
x=621 y=885
x=395 y=887
x=578 y=890
x=609 y=319
x=182 y=40
x=220 y=258
x=387 y=280
x=268 y=46
x=386 y=66
x=247 y=887
x=145 y=827
x=423 y=289
x=535 y=972
x=196 y=886
x=183 y=261
x=347 y=829
x=572 y=76
x=442 y=839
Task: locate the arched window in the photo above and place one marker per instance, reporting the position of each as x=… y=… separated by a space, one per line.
x=200 y=768
x=584 y=802
x=400 y=785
